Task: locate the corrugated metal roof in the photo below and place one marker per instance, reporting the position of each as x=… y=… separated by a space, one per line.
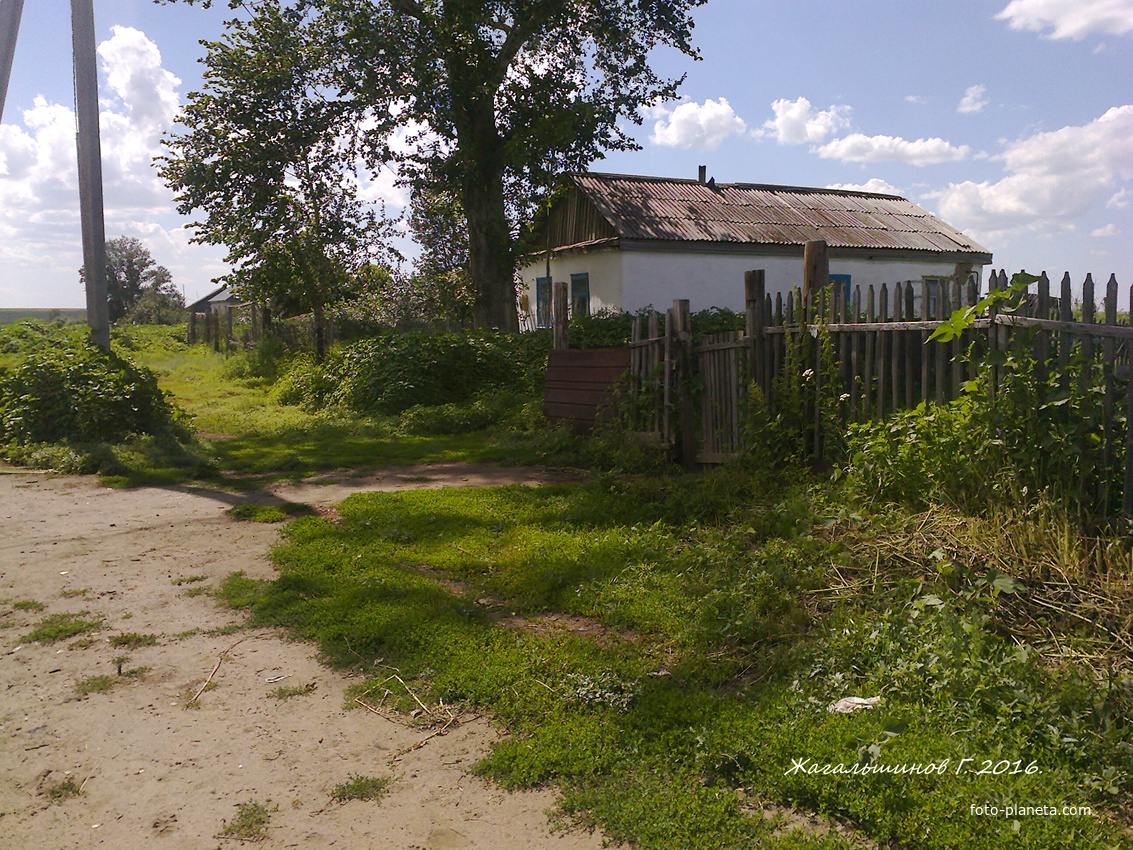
x=677 y=210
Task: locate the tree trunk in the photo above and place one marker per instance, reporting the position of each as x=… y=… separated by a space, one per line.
x=490 y=263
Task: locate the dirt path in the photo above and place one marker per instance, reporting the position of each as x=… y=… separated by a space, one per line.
x=155 y=773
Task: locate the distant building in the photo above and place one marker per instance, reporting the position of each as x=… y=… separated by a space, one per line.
x=216 y=300
x=626 y=242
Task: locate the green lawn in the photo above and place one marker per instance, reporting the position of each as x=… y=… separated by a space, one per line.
x=665 y=651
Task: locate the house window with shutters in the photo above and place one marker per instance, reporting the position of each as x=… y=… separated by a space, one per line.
x=580 y=294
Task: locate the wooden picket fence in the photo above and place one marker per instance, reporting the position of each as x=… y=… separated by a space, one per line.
x=691 y=394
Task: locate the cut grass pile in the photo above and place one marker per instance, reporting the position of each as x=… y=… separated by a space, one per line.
x=722 y=619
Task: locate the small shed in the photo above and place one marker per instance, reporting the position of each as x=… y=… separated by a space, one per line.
x=625 y=242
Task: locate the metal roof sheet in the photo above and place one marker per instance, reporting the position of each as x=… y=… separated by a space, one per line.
x=688 y=210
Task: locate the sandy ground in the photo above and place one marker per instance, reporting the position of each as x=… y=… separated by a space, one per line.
x=155 y=773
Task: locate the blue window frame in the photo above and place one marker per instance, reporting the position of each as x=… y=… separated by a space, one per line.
x=842 y=280
x=580 y=294
x=542 y=302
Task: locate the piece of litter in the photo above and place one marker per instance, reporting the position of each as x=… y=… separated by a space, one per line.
x=848 y=705
x=271 y=680
x=64 y=572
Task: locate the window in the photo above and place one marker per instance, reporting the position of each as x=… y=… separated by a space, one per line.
x=934 y=286
x=542 y=302
x=843 y=281
x=580 y=294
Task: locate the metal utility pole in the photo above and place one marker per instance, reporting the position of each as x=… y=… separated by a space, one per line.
x=89 y=148
x=90 y=170
x=9 y=28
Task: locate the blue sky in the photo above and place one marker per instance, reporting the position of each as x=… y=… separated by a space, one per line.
x=1011 y=119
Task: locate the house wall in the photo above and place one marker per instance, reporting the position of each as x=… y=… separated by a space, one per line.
x=632 y=279
x=717 y=280
x=604 y=268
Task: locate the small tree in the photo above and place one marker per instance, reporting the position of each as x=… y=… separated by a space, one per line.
x=267 y=158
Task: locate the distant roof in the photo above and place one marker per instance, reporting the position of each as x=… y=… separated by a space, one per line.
x=673 y=209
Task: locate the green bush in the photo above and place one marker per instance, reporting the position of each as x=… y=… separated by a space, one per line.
x=394 y=372
x=79 y=393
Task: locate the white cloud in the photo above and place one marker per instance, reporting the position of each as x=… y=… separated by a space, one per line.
x=973 y=101
x=796 y=122
x=1102 y=232
x=874 y=184
x=1073 y=19
x=915 y=98
x=1052 y=179
x=858 y=147
x=702 y=126
x=39 y=204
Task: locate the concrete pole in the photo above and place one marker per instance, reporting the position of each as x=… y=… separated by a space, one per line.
x=9 y=28
x=90 y=170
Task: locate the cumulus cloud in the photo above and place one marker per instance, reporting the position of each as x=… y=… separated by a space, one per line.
x=1051 y=179
x=1102 y=232
x=874 y=184
x=694 y=125
x=797 y=122
x=858 y=147
x=39 y=214
x=973 y=100
x=1074 y=19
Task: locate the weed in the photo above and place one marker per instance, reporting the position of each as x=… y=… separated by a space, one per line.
x=193 y=592
x=96 y=685
x=83 y=643
x=75 y=593
x=178 y=582
x=57 y=627
x=361 y=788
x=133 y=640
x=61 y=791
x=28 y=605
x=249 y=824
x=287 y=691
x=252 y=512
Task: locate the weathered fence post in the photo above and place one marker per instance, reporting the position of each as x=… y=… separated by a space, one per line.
x=816 y=269
x=681 y=334
x=559 y=309
x=754 y=323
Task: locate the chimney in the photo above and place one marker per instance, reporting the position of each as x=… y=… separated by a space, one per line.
x=702 y=174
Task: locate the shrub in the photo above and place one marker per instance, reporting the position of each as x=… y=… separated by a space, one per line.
x=79 y=393
x=393 y=372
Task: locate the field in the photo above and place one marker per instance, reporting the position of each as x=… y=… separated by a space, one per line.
x=676 y=653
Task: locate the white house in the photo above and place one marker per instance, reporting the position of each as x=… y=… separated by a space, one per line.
x=626 y=242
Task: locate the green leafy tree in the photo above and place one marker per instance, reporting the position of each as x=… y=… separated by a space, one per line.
x=494 y=100
x=266 y=156
x=131 y=272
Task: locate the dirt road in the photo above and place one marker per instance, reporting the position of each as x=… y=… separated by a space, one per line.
x=157 y=769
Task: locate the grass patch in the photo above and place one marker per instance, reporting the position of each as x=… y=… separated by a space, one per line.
x=28 y=605
x=288 y=691
x=370 y=788
x=199 y=590
x=249 y=824
x=57 y=627
x=133 y=640
x=252 y=512
x=61 y=791
x=723 y=615
x=178 y=582
x=76 y=593
x=96 y=685
x=83 y=643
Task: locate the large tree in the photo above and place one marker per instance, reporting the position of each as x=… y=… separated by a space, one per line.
x=491 y=100
x=131 y=272
x=267 y=156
